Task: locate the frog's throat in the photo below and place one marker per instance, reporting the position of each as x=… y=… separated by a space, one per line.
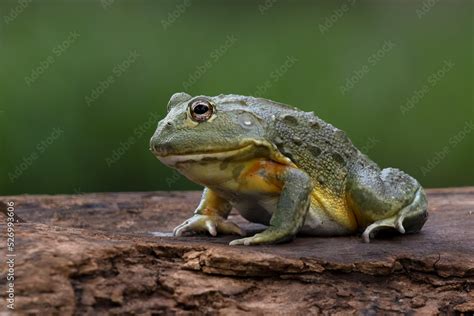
x=245 y=150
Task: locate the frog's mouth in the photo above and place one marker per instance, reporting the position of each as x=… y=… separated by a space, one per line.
x=248 y=150
x=174 y=159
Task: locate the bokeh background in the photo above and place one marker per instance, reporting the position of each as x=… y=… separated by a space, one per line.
x=83 y=83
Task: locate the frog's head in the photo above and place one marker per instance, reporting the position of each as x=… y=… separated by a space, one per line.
x=200 y=129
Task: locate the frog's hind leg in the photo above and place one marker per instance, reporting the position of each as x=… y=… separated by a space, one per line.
x=410 y=219
x=386 y=199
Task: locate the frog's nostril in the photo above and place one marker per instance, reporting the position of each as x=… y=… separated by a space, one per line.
x=169 y=125
x=159 y=147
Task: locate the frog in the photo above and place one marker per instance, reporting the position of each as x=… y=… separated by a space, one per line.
x=283 y=168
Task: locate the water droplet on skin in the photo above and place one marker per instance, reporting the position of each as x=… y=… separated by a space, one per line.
x=246 y=120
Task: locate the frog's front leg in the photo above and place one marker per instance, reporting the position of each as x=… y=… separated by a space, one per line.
x=292 y=207
x=210 y=216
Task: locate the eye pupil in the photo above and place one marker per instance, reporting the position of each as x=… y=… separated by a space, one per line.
x=201 y=108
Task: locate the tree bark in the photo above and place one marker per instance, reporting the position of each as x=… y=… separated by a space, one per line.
x=113 y=253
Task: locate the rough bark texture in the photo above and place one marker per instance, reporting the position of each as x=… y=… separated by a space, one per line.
x=113 y=253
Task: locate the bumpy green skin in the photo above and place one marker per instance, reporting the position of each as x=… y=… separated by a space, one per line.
x=377 y=198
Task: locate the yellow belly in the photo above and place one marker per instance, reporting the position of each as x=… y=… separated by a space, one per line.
x=244 y=177
x=335 y=207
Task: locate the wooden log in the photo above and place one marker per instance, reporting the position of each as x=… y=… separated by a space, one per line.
x=107 y=253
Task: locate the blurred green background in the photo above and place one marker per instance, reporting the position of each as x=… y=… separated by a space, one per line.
x=83 y=83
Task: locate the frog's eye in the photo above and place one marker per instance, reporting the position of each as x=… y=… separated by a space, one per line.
x=201 y=110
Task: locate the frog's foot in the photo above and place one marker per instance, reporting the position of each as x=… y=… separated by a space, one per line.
x=269 y=236
x=204 y=223
x=409 y=219
x=391 y=222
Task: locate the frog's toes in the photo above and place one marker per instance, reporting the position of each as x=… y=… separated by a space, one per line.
x=211 y=228
x=269 y=236
x=242 y=241
x=211 y=224
x=258 y=239
x=195 y=224
x=185 y=227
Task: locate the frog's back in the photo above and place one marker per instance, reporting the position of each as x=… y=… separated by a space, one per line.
x=321 y=150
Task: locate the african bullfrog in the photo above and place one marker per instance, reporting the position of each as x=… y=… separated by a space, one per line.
x=281 y=167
